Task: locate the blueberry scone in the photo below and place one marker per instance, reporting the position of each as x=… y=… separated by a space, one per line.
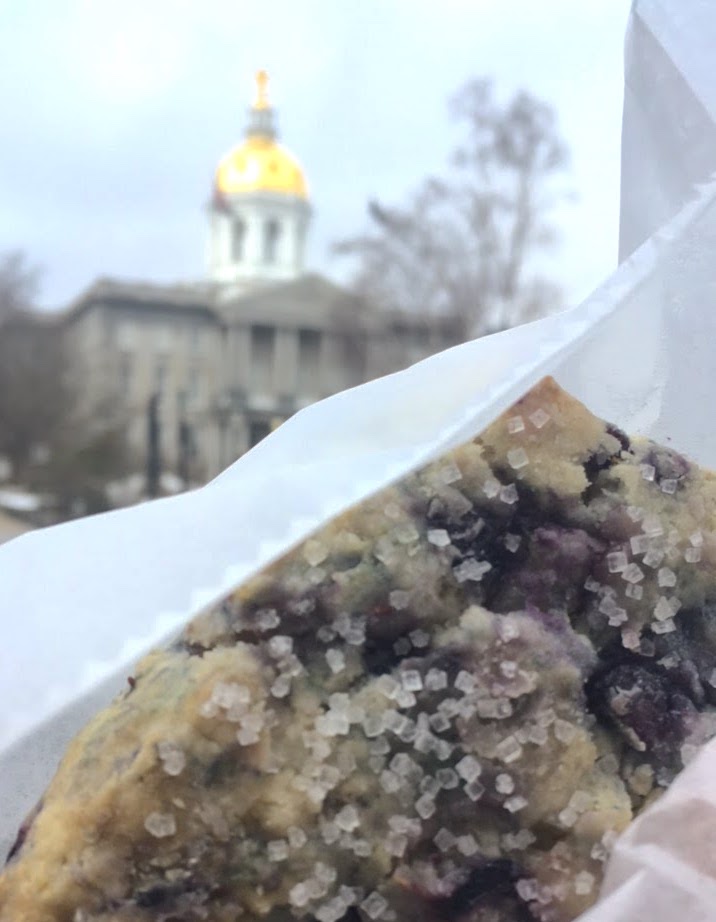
x=446 y=704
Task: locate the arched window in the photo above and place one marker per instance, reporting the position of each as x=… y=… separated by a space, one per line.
x=238 y=240
x=272 y=233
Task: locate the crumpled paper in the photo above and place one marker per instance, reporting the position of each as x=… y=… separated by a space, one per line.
x=663 y=868
x=81 y=602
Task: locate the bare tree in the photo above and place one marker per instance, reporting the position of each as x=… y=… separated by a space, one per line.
x=49 y=441
x=464 y=246
x=33 y=383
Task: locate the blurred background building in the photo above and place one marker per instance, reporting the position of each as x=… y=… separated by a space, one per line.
x=196 y=374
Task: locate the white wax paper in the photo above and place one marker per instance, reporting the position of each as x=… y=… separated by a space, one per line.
x=80 y=602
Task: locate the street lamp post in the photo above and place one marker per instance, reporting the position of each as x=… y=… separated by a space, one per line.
x=223 y=414
x=154 y=460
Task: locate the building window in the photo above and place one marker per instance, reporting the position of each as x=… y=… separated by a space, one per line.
x=125 y=375
x=238 y=240
x=165 y=336
x=272 y=234
x=160 y=375
x=263 y=341
x=309 y=363
x=193 y=390
x=195 y=338
x=258 y=430
x=127 y=335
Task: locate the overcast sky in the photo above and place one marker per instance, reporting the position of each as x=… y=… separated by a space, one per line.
x=115 y=113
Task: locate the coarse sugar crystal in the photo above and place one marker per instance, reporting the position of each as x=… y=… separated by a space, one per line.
x=633 y=573
x=474 y=790
x=448 y=473
x=439 y=722
x=538 y=735
x=508 y=750
x=467 y=845
x=396 y=844
x=517 y=458
x=639 y=544
x=471 y=569
x=436 y=679
x=584 y=883
x=412 y=680
x=516 y=803
x=465 y=682
x=468 y=768
x=491 y=487
x=504 y=784
x=314 y=552
x=267 y=619
x=564 y=731
x=347 y=818
x=509 y=494
x=372 y=725
x=281 y=686
x=399 y=599
x=403 y=765
x=448 y=777
x=277 y=850
x=539 y=418
x=662 y=609
x=390 y=782
x=438 y=537
x=648 y=471
x=298 y=895
x=374 y=905
x=444 y=839
x=651 y=526
x=666 y=577
x=568 y=817
x=171 y=756
x=527 y=889
x=617 y=561
x=280 y=645
x=430 y=785
x=297 y=838
x=160 y=825
x=419 y=638
x=653 y=558
x=406 y=533
x=425 y=806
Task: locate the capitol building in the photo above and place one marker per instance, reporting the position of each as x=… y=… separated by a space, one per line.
x=230 y=357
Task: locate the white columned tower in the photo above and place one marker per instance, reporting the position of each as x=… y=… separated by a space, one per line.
x=259 y=210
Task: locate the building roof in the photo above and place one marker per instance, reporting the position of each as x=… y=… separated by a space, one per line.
x=185 y=296
x=309 y=299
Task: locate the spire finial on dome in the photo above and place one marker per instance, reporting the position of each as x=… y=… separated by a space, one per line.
x=261 y=100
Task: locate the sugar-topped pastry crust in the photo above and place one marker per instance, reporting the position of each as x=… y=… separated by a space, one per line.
x=444 y=705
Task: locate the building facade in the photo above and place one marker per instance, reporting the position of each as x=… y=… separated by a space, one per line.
x=231 y=357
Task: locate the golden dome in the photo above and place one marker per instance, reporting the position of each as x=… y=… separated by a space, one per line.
x=259 y=163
